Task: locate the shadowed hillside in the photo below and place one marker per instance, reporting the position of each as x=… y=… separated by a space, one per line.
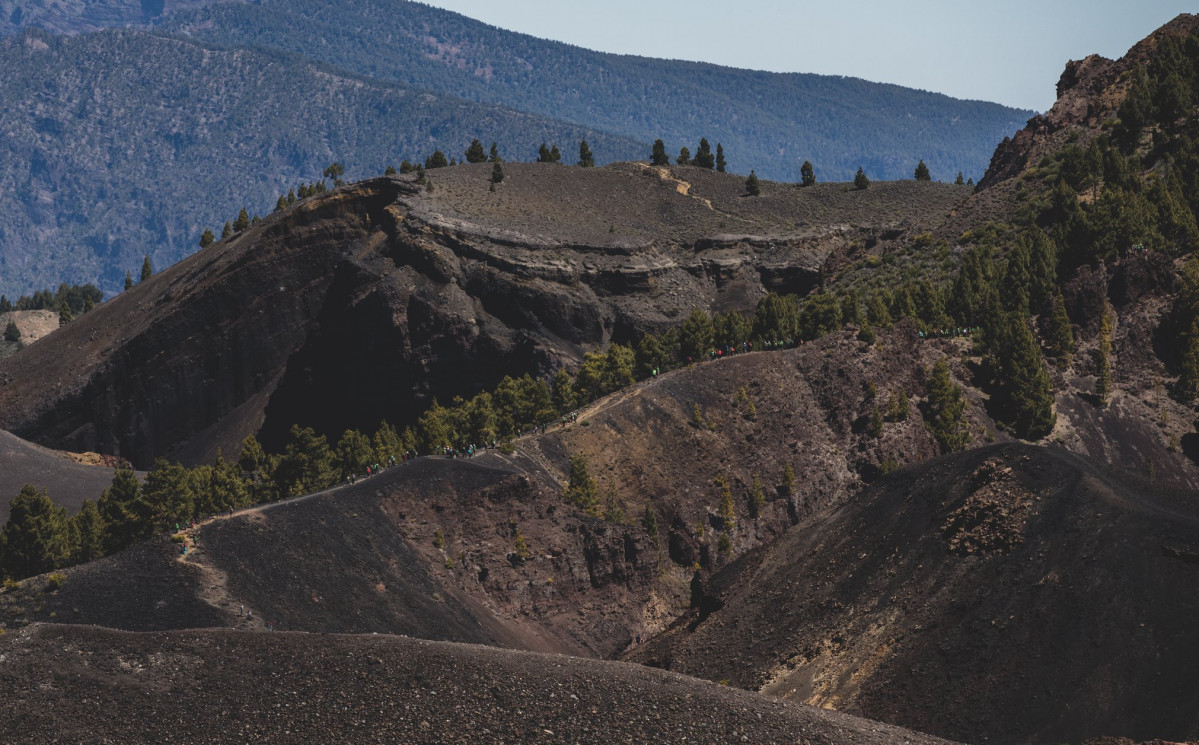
x=1010 y=594
x=968 y=579
x=368 y=302
x=229 y=687
x=68 y=481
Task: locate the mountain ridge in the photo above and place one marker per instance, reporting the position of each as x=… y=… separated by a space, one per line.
x=84 y=198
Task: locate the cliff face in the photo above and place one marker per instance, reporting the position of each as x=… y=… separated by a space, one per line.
x=369 y=302
x=1089 y=93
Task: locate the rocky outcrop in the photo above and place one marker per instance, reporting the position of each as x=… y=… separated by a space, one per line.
x=1089 y=92
x=959 y=597
x=369 y=302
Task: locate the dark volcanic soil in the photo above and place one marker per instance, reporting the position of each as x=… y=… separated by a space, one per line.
x=368 y=302
x=1009 y=594
x=83 y=684
x=67 y=482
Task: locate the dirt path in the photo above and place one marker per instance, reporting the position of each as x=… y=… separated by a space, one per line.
x=682 y=187
x=214 y=583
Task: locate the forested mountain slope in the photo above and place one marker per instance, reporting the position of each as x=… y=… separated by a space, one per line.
x=122 y=143
x=770 y=122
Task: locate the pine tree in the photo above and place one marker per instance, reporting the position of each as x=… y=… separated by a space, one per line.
x=703 y=155
x=776 y=318
x=788 y=485
x=207 y=238
x=875 y=426
x=899 y=406
x=476 y=154
x=219 y=487
x=922 y=173
x=860 y=181
x=281 y=203
x=807 y=174
x=387 y=443
x=35 y=539
x=1015 y=286
x=696 y=335
x=128 y=280
x=334 y=171
x=291 y=196
x=436 y=160
x=5 y=304
x=227 y=230
x=1103 y=374
x=959 y=180
x=11 y=332
x=752 y=187
x=721 y=163
x=65 y=315
x=649 y=521
x=147 y=269
x=563 y=395
x=757 y=496
x=727 y=512
x=586 y=157
x=497 y=173
x=1024 y=394
x=389 y=171
x=354 y=453
x=494 y=157
x=659 y=157
x=127 y=518
x=1059 y=334
x=306 y=465
x=521 y=546
x=684 y=158
x=878 y=309
x=944 y=415
x=87 y=527
x=168 y=492
x=555 y=155
x=242 y=222
x=543 y=154
x=582 y=490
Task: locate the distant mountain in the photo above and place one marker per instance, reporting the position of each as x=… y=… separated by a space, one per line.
x=120 y=143
x=77 y=16
x=770 y=122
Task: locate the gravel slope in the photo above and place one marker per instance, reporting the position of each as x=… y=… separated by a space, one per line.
x=85 y=684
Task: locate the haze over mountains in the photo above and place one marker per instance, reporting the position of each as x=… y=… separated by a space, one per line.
x=90 y=186
x=914 y=451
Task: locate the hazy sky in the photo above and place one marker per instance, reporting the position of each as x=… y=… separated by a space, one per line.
x=1011 y=52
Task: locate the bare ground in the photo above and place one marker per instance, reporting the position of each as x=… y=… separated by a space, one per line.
x=84 y=684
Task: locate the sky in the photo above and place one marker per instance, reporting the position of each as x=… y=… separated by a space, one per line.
x=1010 y=52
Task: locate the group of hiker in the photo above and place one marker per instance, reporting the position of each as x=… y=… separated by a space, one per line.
x=947 y=333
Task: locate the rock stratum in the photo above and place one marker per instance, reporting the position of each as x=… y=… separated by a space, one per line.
x=371 y=301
